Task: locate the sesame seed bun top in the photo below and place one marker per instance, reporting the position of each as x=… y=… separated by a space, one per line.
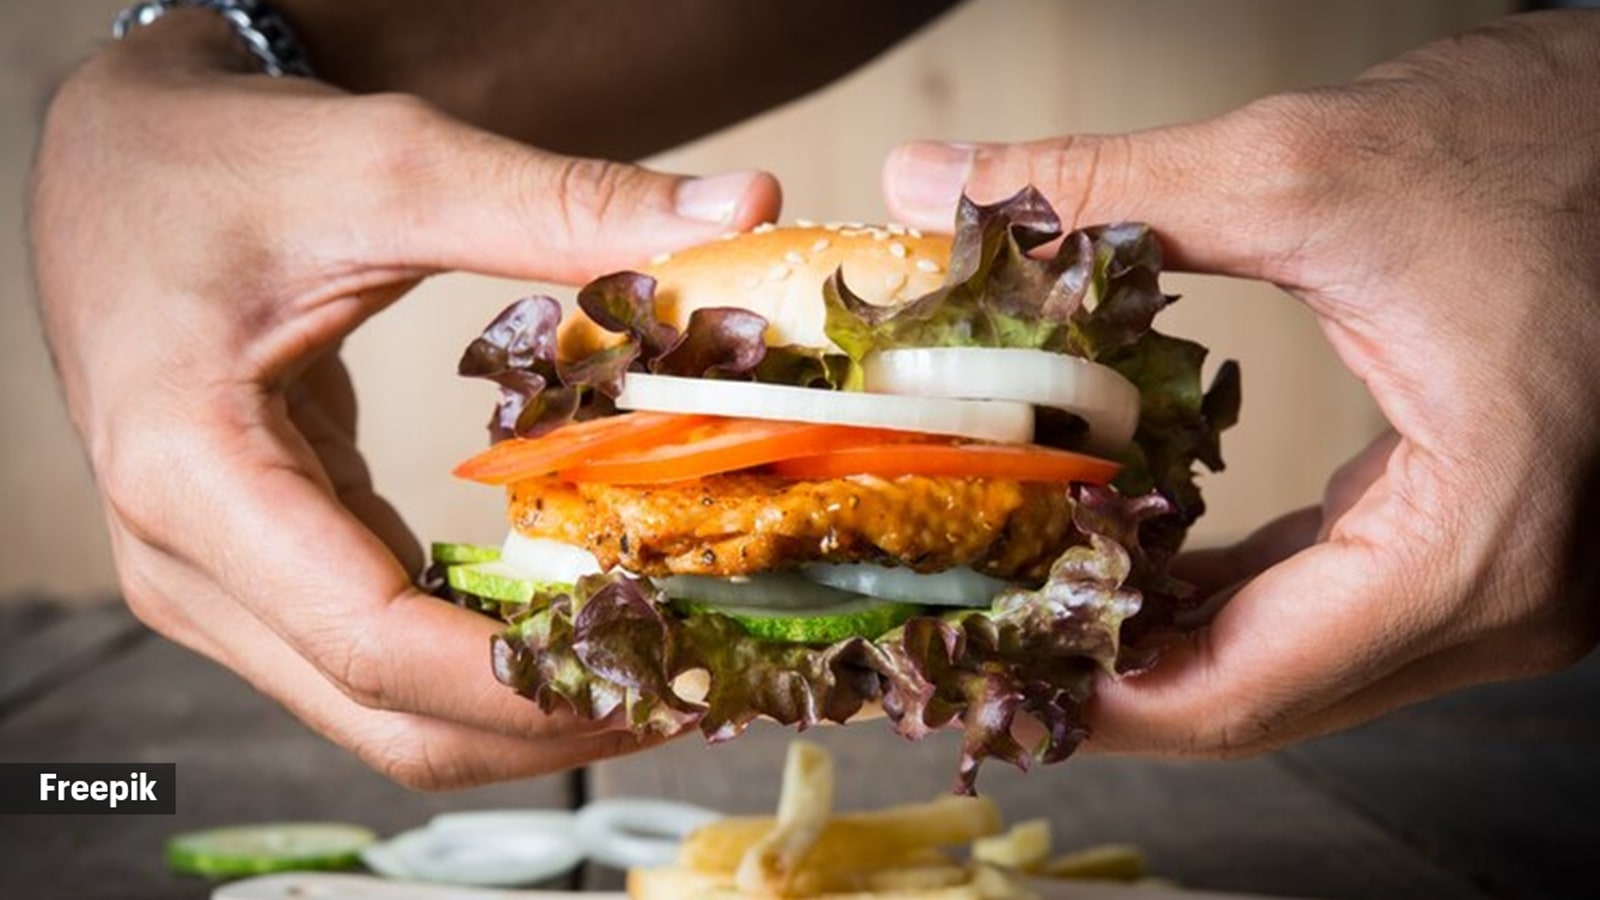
x=778 y=272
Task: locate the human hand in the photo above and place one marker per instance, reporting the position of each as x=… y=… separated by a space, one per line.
x=1440 y=216
x=204 y=238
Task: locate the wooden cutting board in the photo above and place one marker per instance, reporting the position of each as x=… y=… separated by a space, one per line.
x=322 y=886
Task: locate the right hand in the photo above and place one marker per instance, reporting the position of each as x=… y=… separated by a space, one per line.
x=203 y=240
x=1439 y=216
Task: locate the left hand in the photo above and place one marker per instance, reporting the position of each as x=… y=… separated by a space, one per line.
x=1441 y=217
x=204 y=239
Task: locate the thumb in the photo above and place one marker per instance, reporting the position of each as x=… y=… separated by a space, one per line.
x=473 y=201
x=1227 y=195
x=1292 y=643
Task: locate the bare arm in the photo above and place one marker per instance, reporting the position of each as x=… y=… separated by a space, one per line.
x=611 y=78
x=202 y=369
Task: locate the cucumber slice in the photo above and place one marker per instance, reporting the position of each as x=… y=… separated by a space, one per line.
x=458 y=554
x=952 y=587
x=260 y=849
x=863 y=617
x=775 y=590
x=496 y=580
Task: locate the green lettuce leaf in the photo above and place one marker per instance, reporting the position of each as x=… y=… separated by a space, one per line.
x=614 y=644
x=995 y=295
x=517 y=351
x=1094 y=297
x=1034 y=652
x=540 y=392
x=1179 y=424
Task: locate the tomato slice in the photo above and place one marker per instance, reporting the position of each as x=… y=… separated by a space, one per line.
x=573 y=445
x=726 y=445
x=1019 y=462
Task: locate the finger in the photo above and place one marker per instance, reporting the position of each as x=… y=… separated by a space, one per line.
x=443 y=652
x=1354 y=479
x=452 y=197
x=1301 y=637
x=1214 y=568
x=322 y=407
x=1431 y=676
x=419 y=751
x=1500 y=658
x=326 y=385
x=1228 y=195
x=259 y=527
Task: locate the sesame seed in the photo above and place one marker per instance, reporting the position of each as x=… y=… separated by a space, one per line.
x=914 y=232
x=895 y=229
x=763 y=228
x=897 y=250
x=793 y=258
x=820 y=245
x=805 y=223
x=927 y=265
x=660 y=259
x=727 y=235
x=894 y=280
x=833 y=226
x=878 y=234
x=778 y=272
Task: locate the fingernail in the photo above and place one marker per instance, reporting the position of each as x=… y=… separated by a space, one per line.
x=925 y=179
x=714 y=198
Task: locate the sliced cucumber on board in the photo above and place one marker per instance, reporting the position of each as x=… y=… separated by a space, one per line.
x=259 y=849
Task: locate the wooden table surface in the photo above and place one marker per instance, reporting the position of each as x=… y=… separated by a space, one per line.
x=1494 y=793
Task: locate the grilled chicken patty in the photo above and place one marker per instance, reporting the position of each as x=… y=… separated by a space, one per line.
x=745 y=523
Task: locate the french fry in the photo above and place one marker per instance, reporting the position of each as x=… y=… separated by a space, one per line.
x=993 y=883
x=851 y=841
x=803 y=807
x=916 y=878
x=1024 y=848
x=719 y=846
x=896 y=886
x=887 y=854
x=919 y=882
x=927 y=866
x=1106 y=862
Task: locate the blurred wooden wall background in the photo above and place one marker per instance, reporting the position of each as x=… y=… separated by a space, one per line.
x=993 y=69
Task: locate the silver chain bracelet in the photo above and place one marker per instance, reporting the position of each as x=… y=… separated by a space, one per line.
x=264 y=32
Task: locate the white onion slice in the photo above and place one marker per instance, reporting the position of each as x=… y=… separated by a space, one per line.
x=478 y=821
x=627 y=832
x=772 y=590
x=539 y=559
x=1104 y=399
x=508 y=851
x=953 y=587
x=985 y=420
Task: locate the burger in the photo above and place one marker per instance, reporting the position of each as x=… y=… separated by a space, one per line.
x=810 y=472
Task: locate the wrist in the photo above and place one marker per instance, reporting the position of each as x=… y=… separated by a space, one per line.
x=187 y=40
